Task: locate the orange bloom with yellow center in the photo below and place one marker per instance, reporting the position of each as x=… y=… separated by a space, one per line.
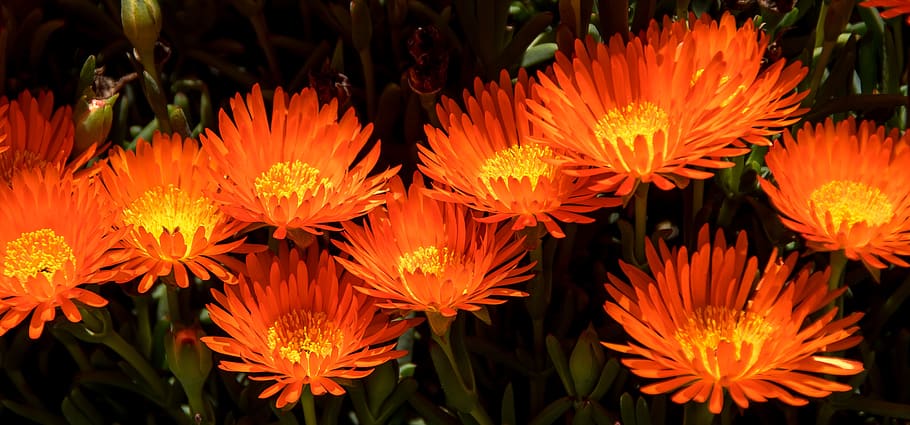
x=712 y=322
x=56 y=235
x=485 y=158
x=652 y=109
x=295 y=319
x=420 y=254
x=37 y=135
x=844 y=187
x=162 y=190
x=764 y=95
x=296 y=171
x=895 y=7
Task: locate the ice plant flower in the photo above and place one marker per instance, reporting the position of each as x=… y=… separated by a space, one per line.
x=845 y=187
x=652 y=109
x=37 y=135
x=295 y=320
x=712 y=322
x=56 y=236
x=485 y=158
x=421 y=254
x=765 y=94
x=162 y=191
x=895 y=7
x=296 y=171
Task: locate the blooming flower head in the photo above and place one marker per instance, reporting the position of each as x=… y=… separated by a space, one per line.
x=844 y=187
x=652 y=109
x=420 y=254
x=484 y=158
x=895 y=7
x=712 y=322
x=37 y=135
x=295 y=320
x=296 y=171
x=56 y=235
x=764 y=95
x=162 y=190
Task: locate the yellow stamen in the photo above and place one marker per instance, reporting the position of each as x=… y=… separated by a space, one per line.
x=299 y=334
x=171 y=209
x=626 y=123
x=518 y=161
x=851 y=202
x=709 y=326
x=41 y=251
x=283 y=179
x=427 y=259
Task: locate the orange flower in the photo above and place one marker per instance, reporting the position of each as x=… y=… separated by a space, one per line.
x=486 y=160
x=37 y=135
x=296 y=171
x=432 y=256
x=56 y=235
x=161 y=190
x=765 y=96
x=710 y=323
x=845 y=188
x=651 y=110
x=896 y=7
x=296 y=320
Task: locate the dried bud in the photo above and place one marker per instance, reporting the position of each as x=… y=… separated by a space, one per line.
x=330 y=84
x=429 y=72
x=142 y=25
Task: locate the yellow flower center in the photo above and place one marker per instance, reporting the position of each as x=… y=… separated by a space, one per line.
x=851 y=202
x=626 y=123
x=287 y=178
x=299 y=334
x=41 y=251
x=427 y=259
x=171 y=209
x=708 y=327
x=518 y=161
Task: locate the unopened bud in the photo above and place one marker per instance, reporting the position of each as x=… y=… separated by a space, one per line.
x=190 y=361
x=142 y=25
x=586 y=361
x=92 y=118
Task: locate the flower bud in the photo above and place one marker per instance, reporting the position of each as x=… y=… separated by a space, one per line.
x=188 y=358
x=141 y=21
x=92 y=118
x=586 y=361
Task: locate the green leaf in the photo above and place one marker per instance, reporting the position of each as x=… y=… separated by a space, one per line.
x=561 y=364
x=627 y=409
x=552 y=412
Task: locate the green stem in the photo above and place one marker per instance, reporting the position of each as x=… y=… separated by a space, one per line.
x=697 y=414
x=127 y=352
x=143 y=326
x=369 y=81
x=641 y=221
x=262 y=37
x=463 y=371
x=698 y=197
x=838 y=264
x=308 y=403
x=173 y=301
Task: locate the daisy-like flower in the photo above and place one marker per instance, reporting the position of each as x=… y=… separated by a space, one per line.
x=295 y=171
x=37 y=135
x=765 y=96
x=652 y=109
x=895 y=7
x=56 y=235
x=296 y=320
x=710 y=323
x=420 y=254
x=844 y=187
x=485 y=158
x=161 y=189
